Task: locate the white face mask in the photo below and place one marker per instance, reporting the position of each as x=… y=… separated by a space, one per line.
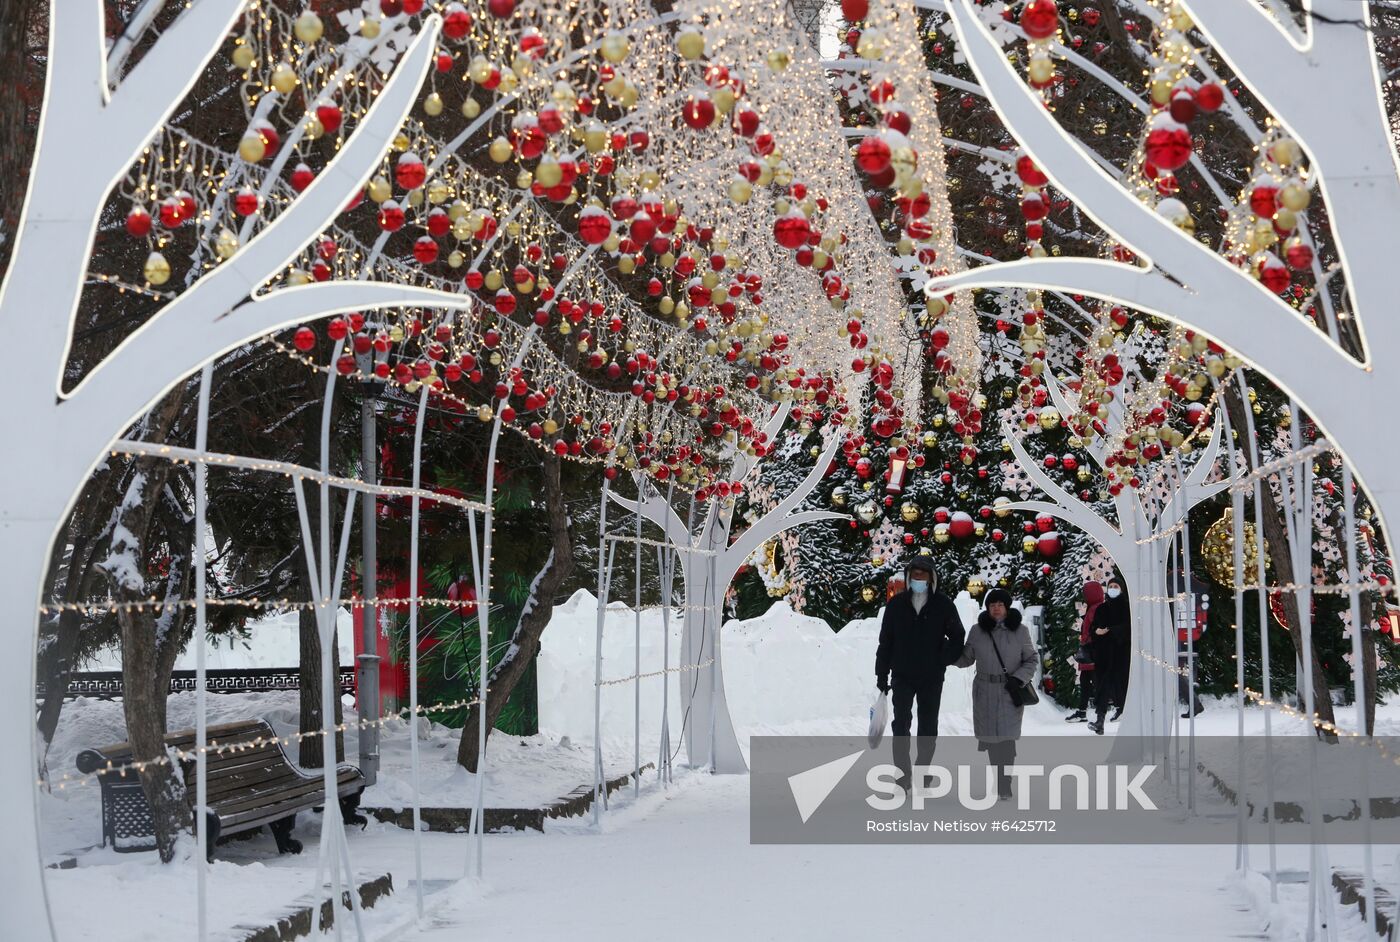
x=918 y=586
x=1114 y=593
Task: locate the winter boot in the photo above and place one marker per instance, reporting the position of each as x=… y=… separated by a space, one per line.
x=1097 y=726
x=1117 y=713
x=1078 y=716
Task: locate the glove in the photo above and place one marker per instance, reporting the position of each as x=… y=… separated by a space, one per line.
x=882 y=684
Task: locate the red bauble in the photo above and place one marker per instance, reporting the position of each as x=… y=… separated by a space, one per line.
x=594 y=226
x=410 y=172
x=330 y=117
x=501 y=8
x=456 y=21
x=1044 y=523
x=171 y=212
x=1049 y=545
x=391 y=216
x=245 y=202
x=961 y=526
x=1040 y=19
x=302 y=177
x=792 y=231
x=1274 y=275
x=425 y=250
x=698 y=112
x=1210 y=96
x=1298 y=254
x=1034 y=207
x=138 y=221
x=304 y=339
x=1263 y=200
x=1183 y=106
x=873 y=155
x=853 y=11
x=1168 y=143
x=1030 y=174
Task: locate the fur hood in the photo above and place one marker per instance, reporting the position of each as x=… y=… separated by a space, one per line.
x=1013 y=620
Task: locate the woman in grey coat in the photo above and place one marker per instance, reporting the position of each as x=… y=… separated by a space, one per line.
x=1002 y=649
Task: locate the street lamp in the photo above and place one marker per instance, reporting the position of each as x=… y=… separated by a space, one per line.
x=372 y=361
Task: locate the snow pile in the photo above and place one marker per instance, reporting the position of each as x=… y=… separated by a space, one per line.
x=782 y=672
x=272 y=641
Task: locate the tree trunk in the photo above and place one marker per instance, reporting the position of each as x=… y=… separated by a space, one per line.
x=150 y=642
x=1276 y=545
x=525 y=643
x=22 y=85
x=311 y=751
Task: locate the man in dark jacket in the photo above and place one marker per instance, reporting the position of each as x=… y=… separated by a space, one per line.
x=920 y=636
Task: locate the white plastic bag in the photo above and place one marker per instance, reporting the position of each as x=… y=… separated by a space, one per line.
x=879 y=719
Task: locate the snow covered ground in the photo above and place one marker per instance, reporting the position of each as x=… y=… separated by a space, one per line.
x=675 y=860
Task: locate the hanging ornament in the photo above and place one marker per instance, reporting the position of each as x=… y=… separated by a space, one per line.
x=156 y=269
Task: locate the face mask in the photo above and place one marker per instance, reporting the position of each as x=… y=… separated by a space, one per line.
x=918 y=587
x=1114 y=593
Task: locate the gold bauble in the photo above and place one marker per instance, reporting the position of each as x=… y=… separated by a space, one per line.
x=1295 y=196
x=309 y=27
x=838 y=497
x=225 y=244
x=380 y=189
x=499 y=150
x=1041 y=69
x=369 y=27
x=930 y=439
x=976 y=586
x=909 y=512
x=691 y=44
x=941 y=534
x=157 y=269
x=615 y=47
x=1218 y=551
x=284 y=78
x=432 y=105
x=778 y=60
x=471 y=108
x=871 y=45
x=245 y=55
x=252 y=147
x=1049 y=418
x=1028 y=544
x=868 y=594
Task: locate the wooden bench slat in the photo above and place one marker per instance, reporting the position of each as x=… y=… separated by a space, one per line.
x=277 y=805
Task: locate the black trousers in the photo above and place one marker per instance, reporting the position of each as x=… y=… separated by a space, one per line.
x=1120 y=673
x=904 y=694
x=1001 y=755
x=1086 y=689
x=1110 y=689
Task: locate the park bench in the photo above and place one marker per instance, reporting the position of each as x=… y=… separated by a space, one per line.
x=249 y=785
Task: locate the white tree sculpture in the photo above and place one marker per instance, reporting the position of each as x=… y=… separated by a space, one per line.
x=68 y=430
x=1326 y=91
x=1140 y=558
x=708 y=564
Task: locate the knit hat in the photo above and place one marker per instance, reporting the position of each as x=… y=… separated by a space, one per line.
x=998 y=595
